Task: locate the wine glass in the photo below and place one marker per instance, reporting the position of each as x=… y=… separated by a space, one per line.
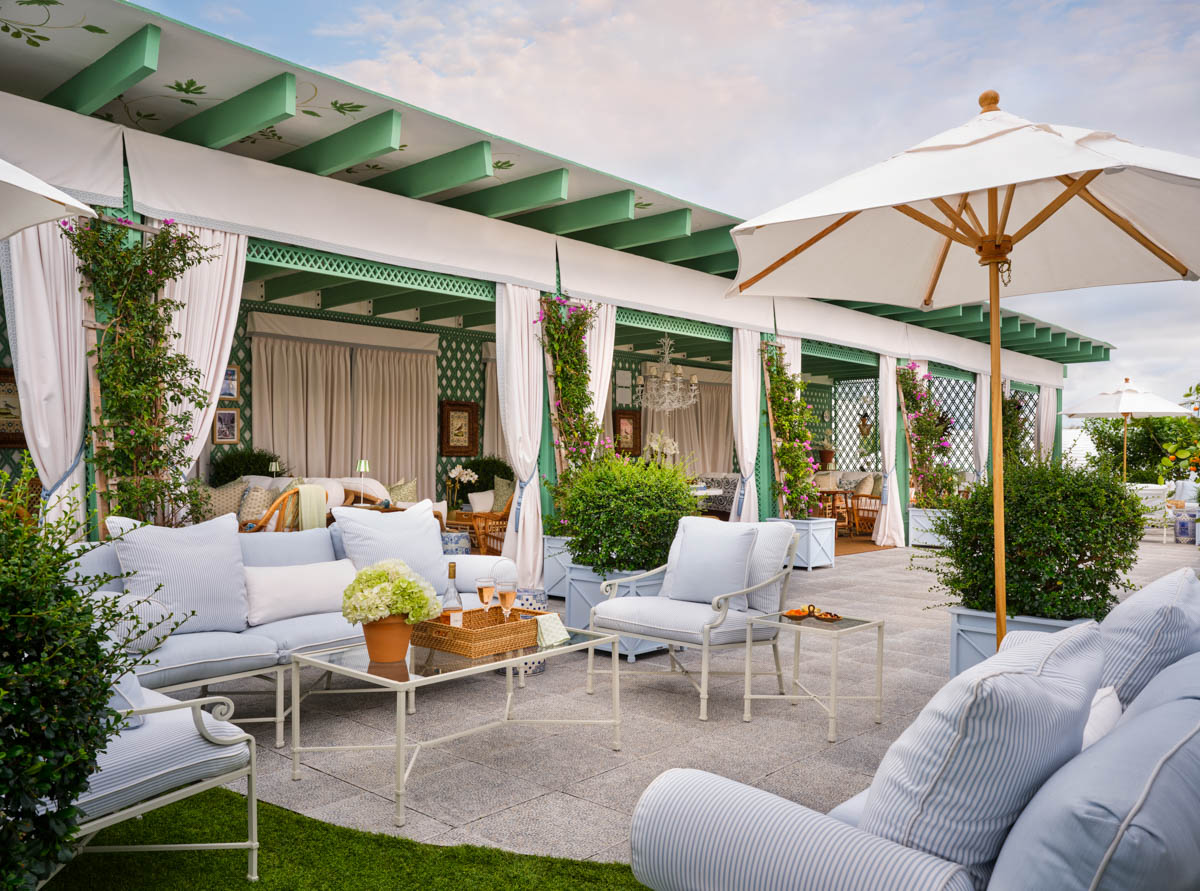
x=486 y=588
x=507 y=589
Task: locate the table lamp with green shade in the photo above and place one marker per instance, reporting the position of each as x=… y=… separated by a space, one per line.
x=363 y=467
x=273 y=468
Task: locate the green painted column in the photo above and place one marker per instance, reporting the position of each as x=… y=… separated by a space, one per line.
x=1056 y=454
x=764 y=467
x=546 y=468
x=902 y=467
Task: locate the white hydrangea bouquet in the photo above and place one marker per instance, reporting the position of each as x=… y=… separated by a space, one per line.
x=389 y=588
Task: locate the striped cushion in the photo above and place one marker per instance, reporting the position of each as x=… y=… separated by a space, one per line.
x=1158 y=625
x=770 y=551
x=411 y=535
x=1178 y=681
x=183 y=658
x=199 y=568
x=287 y=548
x=695 y=831
x=127 y=694
x=163 y=754
x=679 y=620
x=304 y=633
x=709 y=557
x=956 y=780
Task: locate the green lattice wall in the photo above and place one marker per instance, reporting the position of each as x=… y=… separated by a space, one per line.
x=956 y=398
x=239 y=355
x=460 y=378
x=850 y=399
x=10 y=459
x=627 y=364
x=820 y=397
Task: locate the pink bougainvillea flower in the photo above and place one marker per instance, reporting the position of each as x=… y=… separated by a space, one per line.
x=168 y=222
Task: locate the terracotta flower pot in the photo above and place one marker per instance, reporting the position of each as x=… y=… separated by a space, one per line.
x=826 y=457
x=387 y=639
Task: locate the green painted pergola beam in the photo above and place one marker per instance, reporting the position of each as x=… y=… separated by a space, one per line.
x=691 y=247
x=355 y=144
x=515 y=197
x=449 y=310
x=1057 y=344
x=971 y=315
x=356 y=292
x=268 y=103
x=919 y=317
x=439 y=173
x=298 y=283
x=588 y=213
x=130 y=61
x=472 y=319
x=635 y=233
x=256 y=272
x=410 y=300
x=648 y=321
x=716 y=264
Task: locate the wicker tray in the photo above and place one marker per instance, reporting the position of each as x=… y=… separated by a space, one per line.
x=481 y=634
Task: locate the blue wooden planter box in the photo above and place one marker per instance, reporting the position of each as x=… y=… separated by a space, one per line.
x=973 y=634
x=818 y=539
x=555 y=560
x=583 y=592
x=920 y=528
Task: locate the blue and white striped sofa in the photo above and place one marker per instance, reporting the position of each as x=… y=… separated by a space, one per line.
x=1120 y=815
x=186 y=660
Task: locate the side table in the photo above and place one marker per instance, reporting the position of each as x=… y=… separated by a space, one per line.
x=835 y=631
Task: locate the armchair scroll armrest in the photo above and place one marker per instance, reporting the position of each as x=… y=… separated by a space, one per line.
x=609 y=586
x=695 y=831
x=721 y=601
x=222 y=710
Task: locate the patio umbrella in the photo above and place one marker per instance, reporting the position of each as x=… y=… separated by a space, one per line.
x=1041 y=207
x=1127 y=402
x=26 y=201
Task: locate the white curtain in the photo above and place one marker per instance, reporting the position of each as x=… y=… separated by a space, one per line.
x=889 y=528
x=493 y=436
x=601 y=338
x=1047 y=419
x=210 y=294
x=982 y=423
x=793 y=351
x=703 y=430
x=521 y=384
x=746 y=411
x=394 y=416
x=302 y=405
x=45 y=325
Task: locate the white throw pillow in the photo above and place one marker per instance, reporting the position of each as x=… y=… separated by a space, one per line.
x=118 y=526
x=709 y=557
x=411 y=535
x=439 y=507
x=482 y=501
x=365 y=484
x=1105 y=713
x=282 y=592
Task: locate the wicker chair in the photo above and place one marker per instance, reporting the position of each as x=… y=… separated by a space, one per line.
x=490 y=527
x=866 y=511
x=277 y=515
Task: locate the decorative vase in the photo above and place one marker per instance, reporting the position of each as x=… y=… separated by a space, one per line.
x=387 y=639
x=826 y=456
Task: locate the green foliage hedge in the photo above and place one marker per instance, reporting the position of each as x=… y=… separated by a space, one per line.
x=236 y=463
x=488 y=467
x=1072 y=535
x=1148 y=438
x=622 y=513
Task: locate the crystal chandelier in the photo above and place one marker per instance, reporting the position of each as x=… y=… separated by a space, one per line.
x=667 y=388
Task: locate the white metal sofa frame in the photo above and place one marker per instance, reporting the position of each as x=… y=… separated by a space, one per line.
x=1154 y=507
x=222 y=710
x=720 y=605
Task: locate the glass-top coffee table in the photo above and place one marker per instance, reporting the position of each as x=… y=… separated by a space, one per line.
x=833 y=630
x=425 y=667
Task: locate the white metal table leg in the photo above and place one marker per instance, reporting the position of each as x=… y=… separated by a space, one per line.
x=749 y=659
x=412 y=701
x=295 y=721
x=778 y=666
x=616 y=696
x=795 y=665
x=879 y=676
x=401 y=765
x=833 y=679
x=591 y=659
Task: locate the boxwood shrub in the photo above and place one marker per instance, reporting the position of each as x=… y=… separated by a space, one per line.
x=488 y=467
x=235 y=463
x=1072 y=535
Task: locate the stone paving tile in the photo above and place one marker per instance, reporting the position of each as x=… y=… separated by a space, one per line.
x=374 y=813
x=458 y=795
x=553 y=824
x=817 y=785
x=554 y=761
x=618 y=853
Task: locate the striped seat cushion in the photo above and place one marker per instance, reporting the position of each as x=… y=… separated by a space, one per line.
x=679 y=620
x=164 y=753
x=956 y=780
x=193 y=568
x=209 y=654
x=1151 y=629
x=301 y=634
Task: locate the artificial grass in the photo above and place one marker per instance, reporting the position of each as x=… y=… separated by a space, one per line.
x=298 y=853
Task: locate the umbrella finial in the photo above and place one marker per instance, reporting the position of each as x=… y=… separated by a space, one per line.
x=989 y=100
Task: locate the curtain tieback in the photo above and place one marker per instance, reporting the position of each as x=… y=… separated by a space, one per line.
x=521 y=484
x=883 y=491
x=742 y=493
x=46 y=493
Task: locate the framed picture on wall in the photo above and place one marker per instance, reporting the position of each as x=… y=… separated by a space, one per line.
x=226 y=426
x=12 y=429
x=627 y=431
x=231 y=383
x=459 y=429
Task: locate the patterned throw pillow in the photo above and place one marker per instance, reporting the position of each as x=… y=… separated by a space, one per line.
x=254 y=504
x=865 y=485
x=877 y=485
x=504 y=491
x=402 y=491
x=291 y=512
x=224 y=499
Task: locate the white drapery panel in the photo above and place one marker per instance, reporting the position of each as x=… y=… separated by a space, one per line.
x=210 y=294
x=493 y=436
x=601 y=340
x=226 y=191
x=703 y=430
x=302 y=402
x=521 y=382
x=981 y=423
x=44 y=311
x=79 y=154
x=1047 y=419
x=889 y=527
x=395 y=416
x=793 y=352
x=746 y=415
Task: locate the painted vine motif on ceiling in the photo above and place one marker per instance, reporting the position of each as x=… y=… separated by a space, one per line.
x=32 y=33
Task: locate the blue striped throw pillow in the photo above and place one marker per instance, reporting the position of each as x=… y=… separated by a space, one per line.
x=956 y=780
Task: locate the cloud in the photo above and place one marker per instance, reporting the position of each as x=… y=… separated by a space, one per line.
x=224 y=13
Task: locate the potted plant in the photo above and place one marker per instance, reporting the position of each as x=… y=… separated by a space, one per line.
x=791 y=414
x=619 y=515
x=931 y=479
x=825 y=450
x=388 y=598
x=458 y=476
x=1072 y=535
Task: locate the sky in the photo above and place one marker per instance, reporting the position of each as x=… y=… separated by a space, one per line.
x=742 y=106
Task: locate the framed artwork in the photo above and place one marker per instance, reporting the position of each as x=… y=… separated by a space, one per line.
x=459 y=429
x=12 y=430
x=226 y=426
x=231 y=383
x=627 y=431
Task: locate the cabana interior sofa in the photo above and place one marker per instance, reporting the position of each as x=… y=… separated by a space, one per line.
x=1067 y=761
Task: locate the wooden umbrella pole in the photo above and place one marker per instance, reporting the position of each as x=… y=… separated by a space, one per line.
x=997 y=453
x=1125 y=450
